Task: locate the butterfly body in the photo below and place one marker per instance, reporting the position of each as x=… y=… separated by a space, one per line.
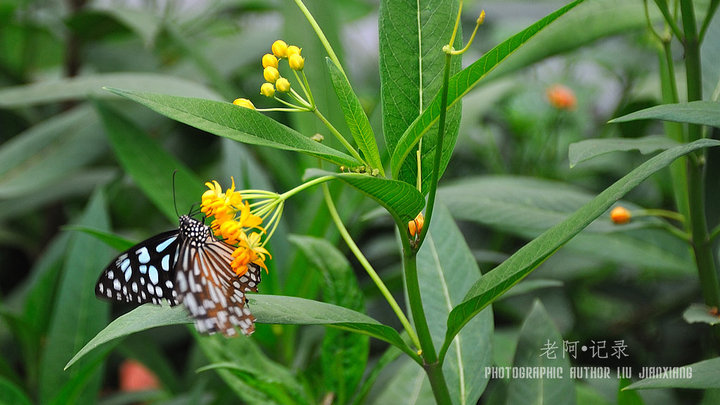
x=189 y=266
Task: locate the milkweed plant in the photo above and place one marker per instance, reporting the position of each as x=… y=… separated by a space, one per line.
x=445 y=324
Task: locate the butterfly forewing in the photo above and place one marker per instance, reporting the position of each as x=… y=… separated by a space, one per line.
x=144 y=273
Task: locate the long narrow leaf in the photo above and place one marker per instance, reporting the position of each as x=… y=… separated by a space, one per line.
x=266 y=308
x=77 y=314
x=460 y=84
x=91 y=85
x=525 y=260
x=694 y=112
x=237 y=123
x=355 y=117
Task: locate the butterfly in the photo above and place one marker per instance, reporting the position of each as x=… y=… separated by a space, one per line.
x=189 y=266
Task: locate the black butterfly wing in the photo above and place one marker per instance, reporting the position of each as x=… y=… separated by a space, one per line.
x=143 y=273
x=210 y=289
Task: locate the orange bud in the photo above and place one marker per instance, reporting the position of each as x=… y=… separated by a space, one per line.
x=561 y=97
x=416 y=225
x=620 y=215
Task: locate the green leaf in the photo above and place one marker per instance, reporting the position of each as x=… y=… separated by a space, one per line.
x=262 y=374
x=144 y=23
x=527 y=286
x=511 y=271
x=412 y=65
x=253 y=377
x=522 y=205
x=627 y=397
x=402 y=200
x=527 y=207
x=412 y=35
x=343 y=354
x=538 y=333
x=699 y=313
x=12 y=394
x=237 y=123
x=590 y=21
x=355 y=117
x=150 y=165
x=76 y=183
x=141 y=318
x=77 y=313
x=114 y=241
x=408 y=385
x=460 y=84
x=48 y=152
x=390 y=355
x=590 y=148
x=266 y=309
x=446 y=271
x=91 y=86
x=694 y=112
x=701 y=375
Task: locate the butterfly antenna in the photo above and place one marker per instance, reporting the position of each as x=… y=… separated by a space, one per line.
x=174 y=197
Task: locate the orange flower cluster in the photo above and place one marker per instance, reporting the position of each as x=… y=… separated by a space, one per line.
x=236 y=224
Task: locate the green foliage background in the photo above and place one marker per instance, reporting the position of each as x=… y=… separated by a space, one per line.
x=86 y=170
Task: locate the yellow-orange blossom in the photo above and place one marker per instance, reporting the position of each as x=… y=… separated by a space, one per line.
x=235 y=229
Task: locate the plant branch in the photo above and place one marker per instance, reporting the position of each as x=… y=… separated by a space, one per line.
x=339 y=136
x=432 y=366
x=701 y=243
x=321 y=36
x=438 y=152
x=368 y=268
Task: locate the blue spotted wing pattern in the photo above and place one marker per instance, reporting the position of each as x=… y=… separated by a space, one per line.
x=188 y=266
x=144 y=273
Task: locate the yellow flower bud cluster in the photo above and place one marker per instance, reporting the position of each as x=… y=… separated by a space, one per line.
x=270 y=63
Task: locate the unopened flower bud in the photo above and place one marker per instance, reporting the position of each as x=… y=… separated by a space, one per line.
x=279 y=48
x=245 y=103
x=416 y=225
x=620 y=215
x=269 y=60
x=267 y=90
x=271 y=74
x=282 y=85
x=296 y=61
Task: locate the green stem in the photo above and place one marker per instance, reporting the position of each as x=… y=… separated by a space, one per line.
x=438 y=152
x=711 y=12
x=662 y=5
x=431 y=364
x=368 y=268
x=284 y=196
x=339 y=137
x=701 y=243
x=714 y=233
x=655 y=212
x=321 y=36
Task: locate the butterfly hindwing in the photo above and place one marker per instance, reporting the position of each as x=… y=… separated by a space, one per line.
x=208 y=287
x=144 y=273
